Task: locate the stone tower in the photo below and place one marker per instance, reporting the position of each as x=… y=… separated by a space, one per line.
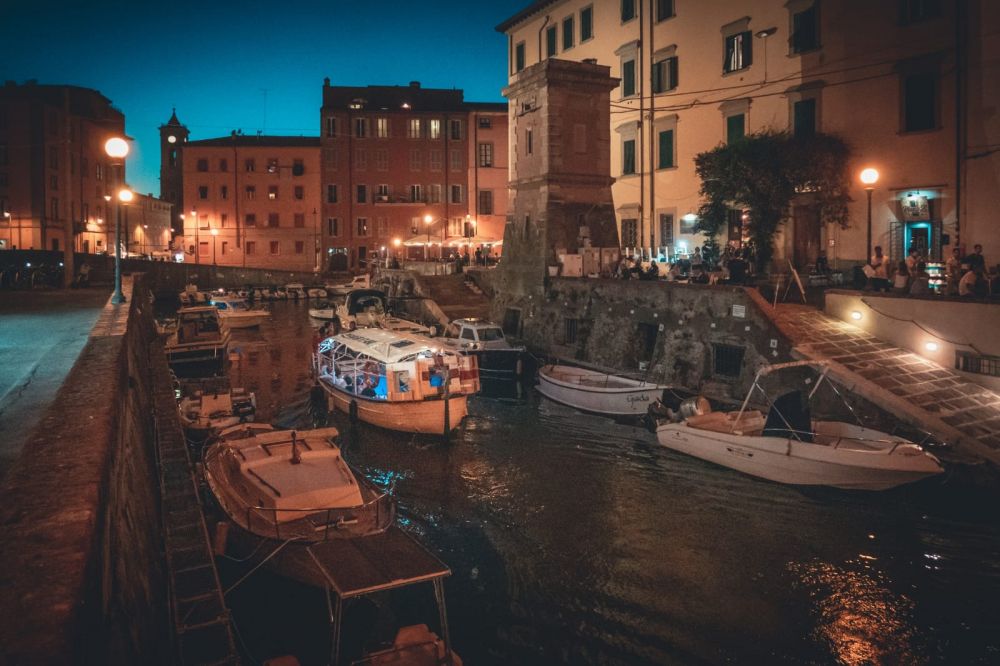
x=560 y=175
x=173 y=136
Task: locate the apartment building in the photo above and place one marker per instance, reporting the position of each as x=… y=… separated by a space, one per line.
x=146 y=228
x=251 y=201
x=410 y=172
x=909 y=85
x=54 y=173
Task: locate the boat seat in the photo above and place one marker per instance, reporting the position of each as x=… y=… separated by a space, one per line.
x=751 y=423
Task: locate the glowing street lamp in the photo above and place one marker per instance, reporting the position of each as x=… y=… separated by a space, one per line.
x=869 y=177
x=215 y=233
x=428 y=220
x=117 y=149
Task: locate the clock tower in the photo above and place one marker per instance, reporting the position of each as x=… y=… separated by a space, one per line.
x=173 y=136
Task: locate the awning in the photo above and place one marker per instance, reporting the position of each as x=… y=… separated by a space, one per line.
x=474 y=241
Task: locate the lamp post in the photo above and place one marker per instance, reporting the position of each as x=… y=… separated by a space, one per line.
x=10 y=234
x=428 y=220
x=117 y=149
x=215 y=233
x=197 y=236
x=145 y=231
x=869 y=177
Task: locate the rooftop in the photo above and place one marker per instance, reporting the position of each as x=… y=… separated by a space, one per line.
x=250 y=140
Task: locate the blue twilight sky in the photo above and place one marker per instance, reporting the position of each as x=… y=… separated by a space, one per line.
x=250 y=65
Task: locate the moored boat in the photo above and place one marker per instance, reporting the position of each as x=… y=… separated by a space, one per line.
x=323 y=310
x=200 y=338
x=296 y=290
x=369 y=308
x=342 y=288
x=206 y=413
x=788 y=446
x=396 y=380
x=235 y=312
x=597 y=392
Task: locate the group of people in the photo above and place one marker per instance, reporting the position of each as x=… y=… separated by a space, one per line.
x=732 y=267
x=964 y=276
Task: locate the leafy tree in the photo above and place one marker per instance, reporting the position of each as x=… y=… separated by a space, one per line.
x=763 y=173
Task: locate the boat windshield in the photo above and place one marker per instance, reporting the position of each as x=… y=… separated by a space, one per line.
x=490 y=334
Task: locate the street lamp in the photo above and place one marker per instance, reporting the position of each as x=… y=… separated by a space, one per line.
x=428 y=220
x=869 y=177
x=197 y=236
x=117 y=148
x=215 y=232
x=10 y=234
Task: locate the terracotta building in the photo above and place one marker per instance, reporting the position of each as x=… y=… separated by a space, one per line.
x=410 y=172
x=250 y=201
x=146 y=229
x=909 y=85
x=54 y=172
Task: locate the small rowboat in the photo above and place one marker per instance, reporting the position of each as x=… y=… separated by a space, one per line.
x=597 y=392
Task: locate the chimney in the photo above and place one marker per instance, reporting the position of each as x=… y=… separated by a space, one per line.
x=326 y=81
x=415 y=84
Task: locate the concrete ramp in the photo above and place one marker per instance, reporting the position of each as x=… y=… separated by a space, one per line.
x=455 y=296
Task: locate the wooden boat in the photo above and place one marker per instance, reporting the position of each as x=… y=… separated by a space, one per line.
x=497 y=359
x=597 y=392
x=235 y=312
x=207 y=413
x=789 y=447
x=201 y=337
x=396 y=380
x=284 y=484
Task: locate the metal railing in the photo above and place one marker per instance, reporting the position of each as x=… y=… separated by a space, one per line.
x=380 y=509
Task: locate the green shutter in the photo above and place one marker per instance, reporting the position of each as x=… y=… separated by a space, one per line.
x=666 y=146
x=735 y=127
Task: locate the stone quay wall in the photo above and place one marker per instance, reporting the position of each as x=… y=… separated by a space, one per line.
x=83 y=575
x=697 y=337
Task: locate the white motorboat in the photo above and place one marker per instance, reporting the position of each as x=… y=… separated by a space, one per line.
x=342 y=288
x=192 y=296
x=498 y=360
x=235 y=312
x=368 y=308
x=207 y=413
x=396 y=380
x=201 y=337
x=296 y=291
x=316 y=292
x=323 y=310
x=597 y=392
x=284 y=484
x=789 y=447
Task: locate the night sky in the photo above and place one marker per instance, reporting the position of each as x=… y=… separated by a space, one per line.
x=250 y=65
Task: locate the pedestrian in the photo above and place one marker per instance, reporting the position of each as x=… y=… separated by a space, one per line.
x=912 y=259
x=878 y=270
x=479 y=257
x=901 y=280
x=84 y=278
x=976 y=259
x=697 y=259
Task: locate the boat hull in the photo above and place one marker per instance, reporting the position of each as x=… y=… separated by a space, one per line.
x=417 y=416
x=248 y=321
x=622 y=401
x=797 y=463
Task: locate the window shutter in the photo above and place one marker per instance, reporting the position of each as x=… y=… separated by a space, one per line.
x=672 y=83
x=747 y=45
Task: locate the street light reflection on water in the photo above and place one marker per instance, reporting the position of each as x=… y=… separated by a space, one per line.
x=575 y=539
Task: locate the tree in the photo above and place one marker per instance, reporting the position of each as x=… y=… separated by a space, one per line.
x=763 y=173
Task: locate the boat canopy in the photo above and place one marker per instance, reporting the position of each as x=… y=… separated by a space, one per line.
x=383 y=345
x=360 y=300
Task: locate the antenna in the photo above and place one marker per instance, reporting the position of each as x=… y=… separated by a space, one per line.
x=264 y=123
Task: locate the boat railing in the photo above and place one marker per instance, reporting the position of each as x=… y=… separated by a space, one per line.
x=380 y=508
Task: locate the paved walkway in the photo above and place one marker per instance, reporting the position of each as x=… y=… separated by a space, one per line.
x=918 y=391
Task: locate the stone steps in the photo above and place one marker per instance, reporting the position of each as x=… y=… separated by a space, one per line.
x=455 y=298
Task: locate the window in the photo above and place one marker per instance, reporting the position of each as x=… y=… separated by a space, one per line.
x=225 y=248
x=456 y=159
x=300 y=247
x=434 y=161
x=980 y=364
x=300 y=220
x=223 y=191
x=54 y=209
x=628 y=78
x=805 y=30
x=804 y=118
x=332 y=226
x=360 y=128
x=727 y=360
x=434 y=128
x=361 y=159
x=568 y=33
x=251 y=247
x=628 y=157
x=382 y=192
x=551 y=41
x=519 y=57
x=300 y=192
x=203 y=250
x=456 y=194
x=455 y=130
x=416 y=193
x=664 y=10
x=273 y=220
x=202 y=165
x=54 y=184
x=275 y=247
x=251 y=192
x=331 y=194
x=666 y=229
x=586 y=23
x=361 y=194
x=664 y=74
x=485 y=123
x=630 y=235
x=249 y=165
x=528 y=140
x=913 y=11
x=223 y=220
x=486 y=154
x=203 y=191
x=413 y=128
x=735 y=127
x=738 y=52
x=382 y=128
x=689 y=224
x=54 y=157
x=485 y=202
x=272 y=192
x=628 y=10
x=331 y=126
x=665 y=150
x=920 y=102
x=362 y=226
x=434 y=193
x=381 y=160
x=330 y=157
x=416 y=159
x=250 y=220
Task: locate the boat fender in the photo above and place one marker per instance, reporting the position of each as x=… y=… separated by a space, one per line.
x=220 y=538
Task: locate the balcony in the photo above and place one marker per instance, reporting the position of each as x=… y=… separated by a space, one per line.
x=397 y=199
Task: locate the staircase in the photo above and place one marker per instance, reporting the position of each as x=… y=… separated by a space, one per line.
x=456 y=297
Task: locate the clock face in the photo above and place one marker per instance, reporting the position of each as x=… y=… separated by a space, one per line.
x=171 y=139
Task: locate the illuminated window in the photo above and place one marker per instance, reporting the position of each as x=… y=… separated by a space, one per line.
x=413 y=128
x=738 y=51
x=382 y=128
x=272 y=192
x=435 y=129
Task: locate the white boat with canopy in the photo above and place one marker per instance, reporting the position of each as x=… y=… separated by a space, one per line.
x=206 y=412
x=200 y=337
x=597 y=392
x=368 y=308
x=788 y=446
x=396 y=380
x=235 y=312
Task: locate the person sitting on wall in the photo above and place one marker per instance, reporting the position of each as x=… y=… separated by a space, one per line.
x=653 y=272
x=920 y=284
x=976 y=259
x=698 y=275
x=912 y=259
x=877 y=271
x=972 y=284
x=901 y=281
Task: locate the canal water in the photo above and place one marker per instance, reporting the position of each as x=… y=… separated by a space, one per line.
x=574 y=539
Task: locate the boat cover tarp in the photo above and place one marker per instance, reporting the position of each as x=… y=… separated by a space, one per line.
x=789 y=417
x=361 y=299
x=355 y=567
